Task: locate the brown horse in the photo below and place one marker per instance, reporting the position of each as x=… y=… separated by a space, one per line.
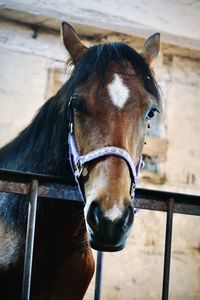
x=108 y=101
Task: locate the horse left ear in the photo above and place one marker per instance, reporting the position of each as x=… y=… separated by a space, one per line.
x=72 y=42
x=151 y=48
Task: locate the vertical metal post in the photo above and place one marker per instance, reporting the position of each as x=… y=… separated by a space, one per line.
x=168 y=240
x=98 y=278
x=30 y=232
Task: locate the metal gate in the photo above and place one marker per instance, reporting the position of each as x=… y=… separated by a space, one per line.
x=36 y=185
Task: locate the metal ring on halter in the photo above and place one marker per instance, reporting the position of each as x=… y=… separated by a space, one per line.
x=79 y=168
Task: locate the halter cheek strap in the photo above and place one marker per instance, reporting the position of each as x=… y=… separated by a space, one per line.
x=78 y=161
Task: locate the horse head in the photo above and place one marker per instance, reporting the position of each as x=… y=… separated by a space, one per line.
x=111 y=105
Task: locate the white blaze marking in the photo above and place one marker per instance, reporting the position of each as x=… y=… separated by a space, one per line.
x=113 y=213
x=118 y=92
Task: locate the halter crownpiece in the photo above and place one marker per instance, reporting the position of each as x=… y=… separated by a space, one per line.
x=78 y=161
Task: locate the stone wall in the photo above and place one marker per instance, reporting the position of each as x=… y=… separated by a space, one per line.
x=32 y=69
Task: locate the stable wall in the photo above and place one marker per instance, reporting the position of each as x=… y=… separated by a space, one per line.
x=32 y=69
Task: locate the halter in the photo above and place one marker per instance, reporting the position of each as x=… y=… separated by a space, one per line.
x=78 y=161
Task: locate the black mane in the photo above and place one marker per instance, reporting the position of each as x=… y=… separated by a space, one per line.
x=42 y=146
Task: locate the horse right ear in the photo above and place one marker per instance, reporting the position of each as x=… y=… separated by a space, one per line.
x=72 y=42
x=151 y=48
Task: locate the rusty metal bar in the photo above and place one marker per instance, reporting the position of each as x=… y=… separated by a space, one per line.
x=30 y=233
x=61 y=188
x=168 y=242
x=98 y=278
x=144 y=199
x=20 y=176
x=55 y=191
x=157 y=200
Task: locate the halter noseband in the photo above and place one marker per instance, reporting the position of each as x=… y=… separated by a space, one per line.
x=78 y=161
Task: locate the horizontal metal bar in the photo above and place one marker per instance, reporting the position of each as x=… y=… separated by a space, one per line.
x=56 y=191
x=157 y=200
x=60 y=188
x=145 y=199
x=26 y=177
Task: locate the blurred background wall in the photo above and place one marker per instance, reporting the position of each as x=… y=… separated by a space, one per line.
x=33 y=68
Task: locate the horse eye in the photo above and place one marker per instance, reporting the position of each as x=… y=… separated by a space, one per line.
x=77 y=103
x=151 y=113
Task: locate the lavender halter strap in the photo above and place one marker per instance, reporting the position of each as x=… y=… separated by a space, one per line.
x=78 y=161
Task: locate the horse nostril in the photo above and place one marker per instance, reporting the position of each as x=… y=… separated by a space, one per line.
x=129 y=215
x=127 y=219
x=93 y=215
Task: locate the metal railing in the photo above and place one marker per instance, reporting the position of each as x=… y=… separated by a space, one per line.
x=58 y=188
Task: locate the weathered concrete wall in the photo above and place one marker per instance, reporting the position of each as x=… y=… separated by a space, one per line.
x=23 y=79
x=178 y=21
x=32 y=70
x=183 y=126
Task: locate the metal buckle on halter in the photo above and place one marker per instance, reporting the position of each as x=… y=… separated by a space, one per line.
x=71 y=127
x=132 y=191
x=70 y=102
x=79 y=168
x=142 y=164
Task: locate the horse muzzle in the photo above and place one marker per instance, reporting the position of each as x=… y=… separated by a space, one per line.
x=108 y=232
